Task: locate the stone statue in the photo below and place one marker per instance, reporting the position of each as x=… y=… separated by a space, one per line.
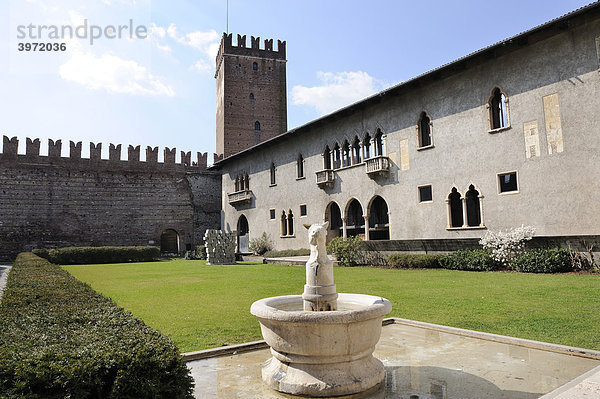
x=319 y=291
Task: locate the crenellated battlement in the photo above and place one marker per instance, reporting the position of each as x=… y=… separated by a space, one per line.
x=240 y=48
x=32 y=154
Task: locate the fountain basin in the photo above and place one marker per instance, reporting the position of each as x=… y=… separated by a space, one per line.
x=322 y=354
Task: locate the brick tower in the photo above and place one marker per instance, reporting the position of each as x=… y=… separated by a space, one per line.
x=251 y=93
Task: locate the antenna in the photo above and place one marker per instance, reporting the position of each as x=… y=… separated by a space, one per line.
x=227 y=26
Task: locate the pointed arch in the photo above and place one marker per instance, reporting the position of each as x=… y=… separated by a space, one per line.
x=367 y=148
x=284 y=230
x=327 y=158
x=497 y=107
x=356 y=151
x=355 y=221
x=378 y=141
x=424 y=133
x=337 y=156
x=346 y=158
x=243 y=231
x=473 y=207
x=455 y=210
x=290 y=223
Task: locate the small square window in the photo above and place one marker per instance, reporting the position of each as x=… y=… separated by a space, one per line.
x=302 y=210
x=272 y=214
x=507 y=182
x=425 y=194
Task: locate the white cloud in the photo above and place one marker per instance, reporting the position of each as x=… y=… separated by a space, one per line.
x=201 y=66
x=338 y=90
x=206 y=42
x=113 y=74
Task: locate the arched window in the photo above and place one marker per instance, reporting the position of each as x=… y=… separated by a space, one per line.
x=379 y=222
x=334 y=216
x=356 y=151
x=242 y=234
x=256 y=125
x=300 y=166
x=337 y=159
x=255 y=66
x=473 y=207
x=283 y=224
x=367 y=146
x=273 y=182
x=346 y=154
x=455 y=208
x=424 y=130
x=498 y=109
x=378 y=143
x=290 y=222
x=242 y=183
x=237 y=184
x=169 y=242
x=327 y=158
x=251 y=96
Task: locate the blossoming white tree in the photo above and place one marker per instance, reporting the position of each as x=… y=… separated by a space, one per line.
x=507 y=245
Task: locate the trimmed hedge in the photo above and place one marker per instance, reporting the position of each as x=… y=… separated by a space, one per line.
x=287 y=252
x=415 y=261
x=544 y=261
x=95 y=255
x=59 y=339
x=472 y=260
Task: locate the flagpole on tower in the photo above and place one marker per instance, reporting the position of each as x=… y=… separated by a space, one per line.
x=227 y=28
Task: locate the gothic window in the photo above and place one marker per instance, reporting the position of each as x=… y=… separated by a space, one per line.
x=283 y=224
x=237 y=184
x=356 y=151
x=346 y=154
x=257 y=126
x=498 y=110
x=367 y=146
x=273 y=182
x=424 y=130
x=379 y=222
x=354 y=219
x=327 y=158
x=337 y=159
x=473 y=207
x=455 y=208
x=255 y=66
x=378 y=143
x=247 y=182
x=300 y=166
x=290 y=222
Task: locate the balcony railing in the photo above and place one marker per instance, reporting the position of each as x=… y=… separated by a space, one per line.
x=240 y=197
x=325 y=178
x=377 y=165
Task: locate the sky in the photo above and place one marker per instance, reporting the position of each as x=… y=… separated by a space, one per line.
x=154 y=85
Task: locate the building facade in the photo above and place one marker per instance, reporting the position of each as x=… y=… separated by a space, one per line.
x=251 y=93
x=503 y=137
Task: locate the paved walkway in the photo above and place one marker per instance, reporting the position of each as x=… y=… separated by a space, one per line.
x=4 y=269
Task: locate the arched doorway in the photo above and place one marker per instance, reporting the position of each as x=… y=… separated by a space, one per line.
x=379 y=222
x=355 y=220
x=333 y=215
x=242 y=235
x=169 y=242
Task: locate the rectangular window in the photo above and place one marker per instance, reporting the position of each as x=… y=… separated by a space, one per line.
x=272 y=214
x=507 y=182
x=302 y=210
x=425 y=194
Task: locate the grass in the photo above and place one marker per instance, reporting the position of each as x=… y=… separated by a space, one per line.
x=202 y=306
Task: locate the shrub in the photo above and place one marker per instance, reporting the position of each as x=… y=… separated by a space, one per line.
x=555 y=260
x=473 y=260
x=287 y=252
x=349 y=251
x=59 y=339
x=415 y=261
x=260 y=245
x=506 y=246
x=92 y=255
x=198 y=253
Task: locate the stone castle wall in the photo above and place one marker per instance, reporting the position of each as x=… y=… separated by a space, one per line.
x=53 y=201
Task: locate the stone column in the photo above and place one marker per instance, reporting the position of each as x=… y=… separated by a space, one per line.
x=344 y=228
x=464 y=209
x=449 y=214
x=481 y=210
x=366 y=217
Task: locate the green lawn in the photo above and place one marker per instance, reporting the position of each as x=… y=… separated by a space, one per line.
x=201 y=306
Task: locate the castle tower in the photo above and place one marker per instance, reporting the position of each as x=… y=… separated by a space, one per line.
x=251 y=93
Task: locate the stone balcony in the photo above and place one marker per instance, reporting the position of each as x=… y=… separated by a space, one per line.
x=240 y=197
x=378 y=165
x=325 y=178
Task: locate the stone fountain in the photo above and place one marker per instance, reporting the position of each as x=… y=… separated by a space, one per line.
x=322 y=342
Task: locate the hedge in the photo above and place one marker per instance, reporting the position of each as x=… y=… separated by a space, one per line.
x=415 y=261
x=472 y=260
x=94 y=255
x=543 y=261
x=59 y=339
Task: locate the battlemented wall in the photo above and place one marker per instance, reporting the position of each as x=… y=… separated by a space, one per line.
x=246 y=95
x=53 y=201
